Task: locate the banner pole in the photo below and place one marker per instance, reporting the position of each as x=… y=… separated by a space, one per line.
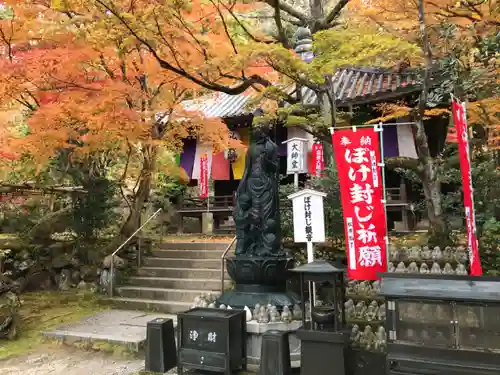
x=469 y=155
x=379 y=128
x=208 y=195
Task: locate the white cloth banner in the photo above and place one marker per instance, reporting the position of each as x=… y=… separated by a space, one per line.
x=406 y=141
x=200 y=150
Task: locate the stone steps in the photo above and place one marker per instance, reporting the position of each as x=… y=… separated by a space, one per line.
x=177 y=283
x=166 y=307
x=197 y=254
x=219 y=246
x=187 y=273
x=182 y=263
x=173 y=276
x=163 y=294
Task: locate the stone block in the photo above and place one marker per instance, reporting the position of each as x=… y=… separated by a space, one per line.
x=255 y=331
x=207 y=223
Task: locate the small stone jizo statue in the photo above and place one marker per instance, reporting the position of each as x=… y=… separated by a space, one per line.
x=248 y=314
x=297 y=312
x=435 y=269
x=413 y=268
x=368 y=338
x=381 y=339
x=448 y=269
x=376 y=287
x=256 y=310
x=274 y=315
x=415 y=254
x=381 y=313
x=349 y=309
x=461 y=270
x=355 y=335
x=263 y=316
x=436 y=253
x=371 y=311
x=424 y=268
x=401 y=268
x=426 y=253
x=286 y=315
x=360 y=309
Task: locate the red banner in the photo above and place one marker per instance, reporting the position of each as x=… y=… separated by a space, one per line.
x=318 y=164
x=357 y=155
x=459 y=117
x=204 y=176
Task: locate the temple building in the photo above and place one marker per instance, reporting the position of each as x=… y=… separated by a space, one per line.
x=357 y=91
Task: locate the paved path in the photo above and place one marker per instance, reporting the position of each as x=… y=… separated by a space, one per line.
x=113 y=326
x=70 y=362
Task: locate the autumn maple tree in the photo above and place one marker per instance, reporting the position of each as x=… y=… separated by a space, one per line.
x=212 y=44
x=93 y=96
x=456 y=40
x=464 y=39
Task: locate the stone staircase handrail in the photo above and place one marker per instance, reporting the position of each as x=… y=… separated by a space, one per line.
x=111 y=269
x=223 y=259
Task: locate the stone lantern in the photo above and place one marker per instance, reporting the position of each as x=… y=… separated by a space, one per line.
x=323 y=339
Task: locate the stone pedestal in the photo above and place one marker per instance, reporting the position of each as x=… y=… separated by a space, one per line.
x=207 y=223
x=275 y=354
x=322 y=352
x=254 y=341
x=259 y=280
x=161 y=353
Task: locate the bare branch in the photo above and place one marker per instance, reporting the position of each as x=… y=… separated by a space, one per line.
x=428 y=61
x=246 y=30
x=226 y=29
x=279 y=25
x=124 y=176
x=246 y=82
x=104 y=65
x=303 y=18
x=404 y=163
x=335 y=12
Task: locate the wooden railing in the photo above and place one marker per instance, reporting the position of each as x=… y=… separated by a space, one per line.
x=222 y=208
x=396 y=195
x=221 y=203
x=226 y=202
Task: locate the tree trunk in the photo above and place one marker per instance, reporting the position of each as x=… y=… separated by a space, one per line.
x=438 y=230
x=133 y=221
x=431 y=184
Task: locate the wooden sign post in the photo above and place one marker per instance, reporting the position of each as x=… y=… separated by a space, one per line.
x=308 y=223
x=296 y=158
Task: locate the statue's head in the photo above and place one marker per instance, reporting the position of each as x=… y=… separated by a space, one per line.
x=261 y=127
x=260 y=132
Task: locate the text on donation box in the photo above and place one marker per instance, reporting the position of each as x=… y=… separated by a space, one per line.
x=210 y=336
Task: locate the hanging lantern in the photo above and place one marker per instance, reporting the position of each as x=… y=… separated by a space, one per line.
x=231 y=155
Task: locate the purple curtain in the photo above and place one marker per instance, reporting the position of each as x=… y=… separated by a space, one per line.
x=390 y=137
x=188 y=155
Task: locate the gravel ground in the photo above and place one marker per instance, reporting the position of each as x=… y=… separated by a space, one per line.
x=68 y=362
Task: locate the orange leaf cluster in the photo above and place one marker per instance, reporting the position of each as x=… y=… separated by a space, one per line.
x=193 y=38
x=401 y=16
x=90 y=87
x=487 y=113
x=392 y=111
